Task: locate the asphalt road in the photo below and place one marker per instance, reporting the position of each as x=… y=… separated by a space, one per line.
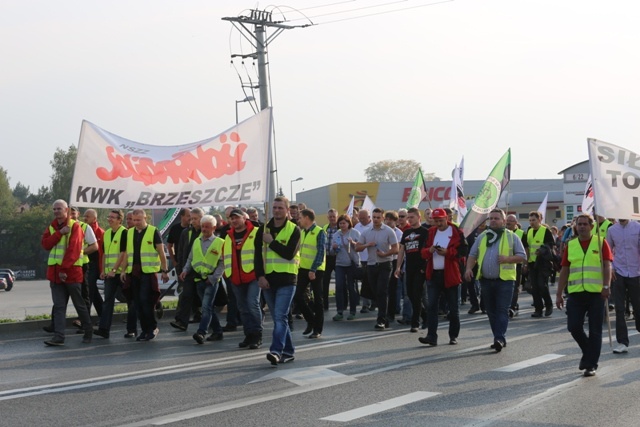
x=353 y=375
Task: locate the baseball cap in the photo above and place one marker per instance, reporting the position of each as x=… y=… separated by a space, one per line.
x=438 y=213
x=237 y=212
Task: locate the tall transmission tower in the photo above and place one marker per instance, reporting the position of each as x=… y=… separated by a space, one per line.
x=254 y=28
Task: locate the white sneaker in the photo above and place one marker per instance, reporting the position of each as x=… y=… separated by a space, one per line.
x=620 y=349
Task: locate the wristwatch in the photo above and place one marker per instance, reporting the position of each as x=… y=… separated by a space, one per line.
x=605 y=287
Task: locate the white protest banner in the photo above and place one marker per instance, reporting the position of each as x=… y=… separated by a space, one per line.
x=228 y=169
x=615 y=172
x=587 y=199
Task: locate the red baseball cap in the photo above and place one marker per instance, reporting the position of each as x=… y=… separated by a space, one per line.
x=438 y=213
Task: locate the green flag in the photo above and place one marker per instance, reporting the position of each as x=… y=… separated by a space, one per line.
x=489 y=195
x=418 y=191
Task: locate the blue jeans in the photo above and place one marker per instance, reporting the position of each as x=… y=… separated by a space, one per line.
x=496 y=294
x=207 y=293
x=578 y=305
x=345 y=279
x=279 y=300
x=248 y=299
x=435 y=287
x=111 y=285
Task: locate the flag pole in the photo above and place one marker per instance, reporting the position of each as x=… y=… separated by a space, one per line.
x=601 y=245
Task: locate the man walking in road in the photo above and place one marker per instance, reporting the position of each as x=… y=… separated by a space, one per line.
x=497 y=251
x=624 y=240
x=587 y=282
x=64 y=240
x=276 y=265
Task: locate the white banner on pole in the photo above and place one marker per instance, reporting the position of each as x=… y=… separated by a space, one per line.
x=615 y=172
x=543 y=207
x=228 y=169
x=587 y=199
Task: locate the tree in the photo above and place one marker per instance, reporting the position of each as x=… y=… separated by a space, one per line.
x=63 y=165
x=42 y=197
x=21 y=192
x=395 y=171
x=20 y=239
x=7 y=201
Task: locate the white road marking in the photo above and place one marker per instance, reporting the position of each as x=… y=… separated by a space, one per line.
x=528 y=363
x=380 y=406
x=308 y=376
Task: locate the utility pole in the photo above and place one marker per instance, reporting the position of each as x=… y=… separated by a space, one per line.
x=253 y=28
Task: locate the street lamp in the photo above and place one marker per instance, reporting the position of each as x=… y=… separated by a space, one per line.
x=247 y=99
x=292 y=181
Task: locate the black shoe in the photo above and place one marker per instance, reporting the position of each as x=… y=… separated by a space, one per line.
x=245 y=343
x=229 y=328
x=364 y=309
x=453 y=341
x=48 y=329
x=473 y=310
x=101 y=333
x=179 y=325
x=86 y=339
x=493 y=346
x=299 y=316
x=215 y=337
x=497 y=346
x=536 y=314
x=151 y=335
x=77 y=323
x=286 y=358
x=315 y=335
x=273 y=358
x=589 y=372
x=130 y=334
x=428 y=341
x=56 y=342
x=199 y=338
x=256 y=344
x=379 y=326
x=548 y=311
x=142 y=337
x=308 y=330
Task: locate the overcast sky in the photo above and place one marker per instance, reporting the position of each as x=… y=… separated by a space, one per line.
x=466 y=77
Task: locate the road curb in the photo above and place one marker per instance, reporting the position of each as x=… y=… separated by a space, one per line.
x=32 y=325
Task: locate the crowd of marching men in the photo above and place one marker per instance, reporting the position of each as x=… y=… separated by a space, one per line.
x=407 y=270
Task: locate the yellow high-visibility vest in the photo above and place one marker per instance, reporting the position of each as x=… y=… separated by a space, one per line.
x=112 y=249
x=149 y=258
x=309 y=248
x=56 y=254
x=585 y=271
x=535 y=239
x=507 y=271
x=205 y=264
x=247 y=252
x=273 y=261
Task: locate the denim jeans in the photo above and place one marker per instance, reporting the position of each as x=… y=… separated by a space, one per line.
x=60 y=294
x=496 y=294
x=379 y=275
x=111 y=285
x=248 y=300
x=578 y=305
x=207 y=293
x=345 y=280
x=313 y=311
x=143 y=299
x=435 y=287
x=623 y=286
x=279 y=300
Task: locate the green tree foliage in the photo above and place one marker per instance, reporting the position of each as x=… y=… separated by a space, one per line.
x=42 y=198
x=63 y=164
x=7 y=201
x=21 y=192
x=20 y=239
x=395 y=171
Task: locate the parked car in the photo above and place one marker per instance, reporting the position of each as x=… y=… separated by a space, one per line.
x=3 y=283
x=8 y=281
x=7 y=270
